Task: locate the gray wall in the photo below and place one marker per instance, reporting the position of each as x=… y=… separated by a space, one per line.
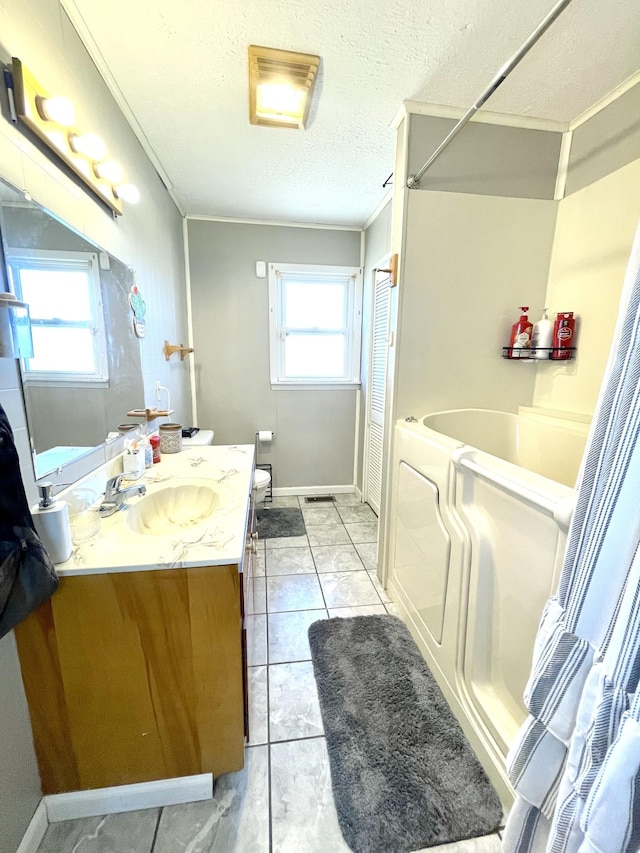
x=148 y=238
x=485 y=159
x=377 y=246
x=314 y=430
x=606 y=142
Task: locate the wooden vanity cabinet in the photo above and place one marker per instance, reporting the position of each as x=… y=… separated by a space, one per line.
x=138 y=676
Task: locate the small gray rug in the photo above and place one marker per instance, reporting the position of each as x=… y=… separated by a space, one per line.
x=403 y=775
x=274 y=523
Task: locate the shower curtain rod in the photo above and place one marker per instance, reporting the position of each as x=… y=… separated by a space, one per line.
x=414 y=180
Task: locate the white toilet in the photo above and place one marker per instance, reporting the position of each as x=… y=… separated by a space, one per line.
x=202 y=438
x=261 y=480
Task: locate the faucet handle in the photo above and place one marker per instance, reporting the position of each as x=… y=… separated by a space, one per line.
x=113 y=485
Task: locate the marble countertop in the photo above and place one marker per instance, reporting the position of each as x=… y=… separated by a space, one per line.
x=218 y=540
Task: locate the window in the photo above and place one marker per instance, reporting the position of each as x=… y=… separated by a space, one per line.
x=315 y=325
x=67 y=321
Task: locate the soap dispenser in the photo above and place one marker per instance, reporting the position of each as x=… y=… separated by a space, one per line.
x=51 y=521
x=521 y=335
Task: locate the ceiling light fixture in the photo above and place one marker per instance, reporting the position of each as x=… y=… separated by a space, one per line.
x=89 y=144
x=127 y=192
x=280 y=86
x=58 y=109
x=109 y=171
x=83 y=153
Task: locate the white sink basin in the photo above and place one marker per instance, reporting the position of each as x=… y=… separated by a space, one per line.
x=176 y=507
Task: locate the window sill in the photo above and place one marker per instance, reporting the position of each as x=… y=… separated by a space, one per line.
x=315 y=386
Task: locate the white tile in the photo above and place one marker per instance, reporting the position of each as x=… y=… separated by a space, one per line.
x=365 y=610
x=328 y=534
x=285 y=502
x=356 y=514
x=294 y=710
x=363 y=532
x=289 y=561
x=260 y=564
x=236 y=820
x=378 y=588
x=368 y=552
x=337 y=558
x=256 y=640
x=288 y=640
x=126 y=832
x=258 y=705
x=320 y=515
x=294 y=592
x=347 y=499
x=348 y=589
x=303 y=812
x=287 y=542
x=485 y=844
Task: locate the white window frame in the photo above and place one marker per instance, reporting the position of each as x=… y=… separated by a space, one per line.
x=57 y=259
x=278 y=275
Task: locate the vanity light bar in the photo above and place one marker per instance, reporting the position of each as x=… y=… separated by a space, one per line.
x=32 y=104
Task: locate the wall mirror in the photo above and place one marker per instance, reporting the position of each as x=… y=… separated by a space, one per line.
x=86 y=372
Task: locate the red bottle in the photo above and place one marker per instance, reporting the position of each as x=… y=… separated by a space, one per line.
x=154 y=441
x=563 y=333
x=521 y=335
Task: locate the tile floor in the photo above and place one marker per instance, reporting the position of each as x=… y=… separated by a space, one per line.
x=281 y=801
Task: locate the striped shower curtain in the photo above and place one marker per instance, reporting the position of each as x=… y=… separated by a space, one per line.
x=575 y=765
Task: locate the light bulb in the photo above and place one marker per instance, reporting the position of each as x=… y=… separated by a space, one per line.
x=128 y=193
x=109 y=171
x=58 y=109
x=89 y=144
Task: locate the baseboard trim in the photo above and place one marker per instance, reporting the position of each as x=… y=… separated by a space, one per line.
x=313 y=490
x=357 y=492
x=36 y=830
x=128 y=798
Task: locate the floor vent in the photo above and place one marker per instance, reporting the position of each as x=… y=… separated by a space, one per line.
x=319 y=499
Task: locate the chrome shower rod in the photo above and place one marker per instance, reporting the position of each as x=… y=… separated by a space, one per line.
x=414 y=180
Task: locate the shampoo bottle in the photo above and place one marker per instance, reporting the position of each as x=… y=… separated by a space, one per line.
x=51 y=520
x=542 y=337
x=521 y=336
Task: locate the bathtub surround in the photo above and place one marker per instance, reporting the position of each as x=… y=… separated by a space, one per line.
x=403 y=775
x=576 y=761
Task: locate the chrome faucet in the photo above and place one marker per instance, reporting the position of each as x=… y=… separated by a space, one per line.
x=115 y=497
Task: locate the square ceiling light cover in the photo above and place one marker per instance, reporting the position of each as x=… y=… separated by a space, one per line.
x=280 y=86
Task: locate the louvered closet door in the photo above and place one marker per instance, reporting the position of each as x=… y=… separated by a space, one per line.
x=377 y=387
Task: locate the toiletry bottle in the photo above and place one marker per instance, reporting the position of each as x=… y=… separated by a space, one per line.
x=520 y=335
x=148 y=452
x=563 y=330
x=541 y=337
x=155 y=445
x=51 y=521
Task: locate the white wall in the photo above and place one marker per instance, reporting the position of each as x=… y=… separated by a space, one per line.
x=591 y=247
x=469 y=261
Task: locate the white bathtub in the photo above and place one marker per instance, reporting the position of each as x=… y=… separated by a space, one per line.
x=480 y=507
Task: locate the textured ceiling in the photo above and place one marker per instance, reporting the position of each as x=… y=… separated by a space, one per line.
x=182 y=69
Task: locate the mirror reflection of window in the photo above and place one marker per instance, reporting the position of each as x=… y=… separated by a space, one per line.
x=63 y=292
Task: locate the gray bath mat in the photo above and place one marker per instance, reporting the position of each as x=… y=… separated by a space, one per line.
x=403 y=775
x=273 y=523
